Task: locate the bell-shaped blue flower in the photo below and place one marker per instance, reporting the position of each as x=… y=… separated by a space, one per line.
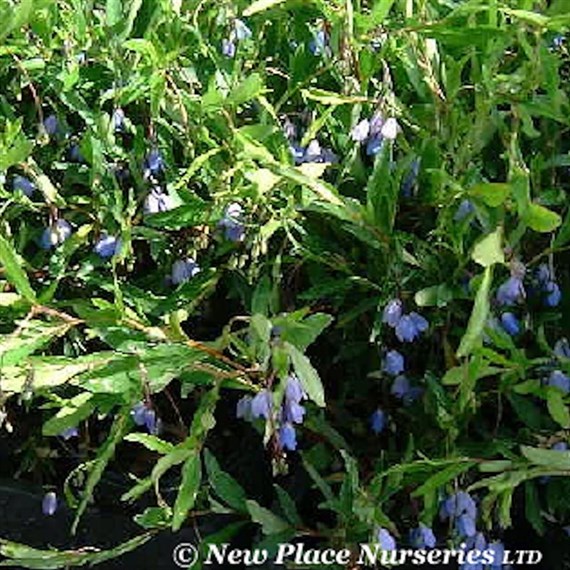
x=107 y=246
x=261 y=404
x=287 y=437
x=70 y=432
x=242 y=32
x=511 y=291
x=559 y=380
x=393 y=363
x=118 y=119
x=422 y=537
x=231 y=223
x=55 y=234
x=510 y=323
x=392 y=312
x=243 y=408
x=386 y=540
x=49 y=504
x=554 y=295
x=154 y=163
x=24 y=185
x=378 y=421
x=183 y=270
x=228 y=48
x=361 y=131
x=51 y=125
x=498 y=553
x=465 y=525
x=562 y=348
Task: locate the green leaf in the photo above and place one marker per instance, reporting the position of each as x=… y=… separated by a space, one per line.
x=493 y=194
x=113 y=11
x=478 y=317
x=307 y=374
x=224 y=485
x=74 y=411
x=270 y=523
x=191 y=477
x=489 y=250
x=434 y=296
x=247 y=90
x=288 y=506
x=551 y=458
x=557 y=408
x=260 y=6
x=13 y=268
x=541 y=219
x=154 y=518
x=442 y=477
x=151 y=442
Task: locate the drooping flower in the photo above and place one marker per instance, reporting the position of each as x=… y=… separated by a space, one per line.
x=465 y=525
x=498 y=552
x=466 y=208
x=510 y=323
x=55 y=234
x=511 y=291
x=242 y=32
x=243 y=408
x=51 y=125
x=118 y=119
x=24 y=185
x=478 y=543
x=386 y=540
x=183 y=270
x=554 y=295
x=400 y=387
x=145 y=415
x=294 y=390
x=70 y=432
x=228 y=48
x=458 y=504
x=154 y=164
x=378 y=421
x=420 y=322
x=49 y=504
x=287 y=437
x=107 y=246
x=392 y=312
x=410 y=179
x=158 y=201
x=560 y=446
x=75 y=155
x=319 y=45
x=559 y=380
x=261 y=404
x=361 y=131
x=562 y=348
x=393 y=363
x=390 y=129
x=231 y=223
x=422 y=537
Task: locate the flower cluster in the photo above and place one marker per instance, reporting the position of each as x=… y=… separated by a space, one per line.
x=231 y=223
x=145 y=416
x=238 y=33
x=290 y=413
x=374 y=131
x=407 y=327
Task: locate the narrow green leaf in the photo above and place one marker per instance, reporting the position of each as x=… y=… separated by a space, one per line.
x=191 y=477
x=260 y=6
x=13 y=268
x=307 y=374
x=270 y=523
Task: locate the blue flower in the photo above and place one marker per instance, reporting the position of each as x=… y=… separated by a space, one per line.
x=287 y=437
x=560 y=446
x=261 y=405
x=158 y=201
x=70 y=432
x=231 y=224
x=361 y=131
x=542 y=274
x=55 y=234
x=559 y=380
x=144 y=415
x=154 y=163
x=289 y=128
x=293 y=412
x=400 y=387
x=562 y=348
x=465 y=525
x=49 y=504
x=390 y=129
x=228 y=48
x=409 y=181
x=510 y=323
x=406 y=330
x=51 y=125
x=374 y=145
x=392 y=312
x=378 y=421
x=393 y=363
x=75 y=154
x=243 y=408
x=466 y=208
x=319 y=44
x=118 y=119
x=422 y=537
x=420 y=322
x=242 y=32
x=498 y=552
x=107 y=246
x=386 y=540
x=511 y=291
x=25 y=185
x=298 y=153
x=458 y=504
x=476 y=542
x=554 y=295
x=183 y=270
x=294 y=390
